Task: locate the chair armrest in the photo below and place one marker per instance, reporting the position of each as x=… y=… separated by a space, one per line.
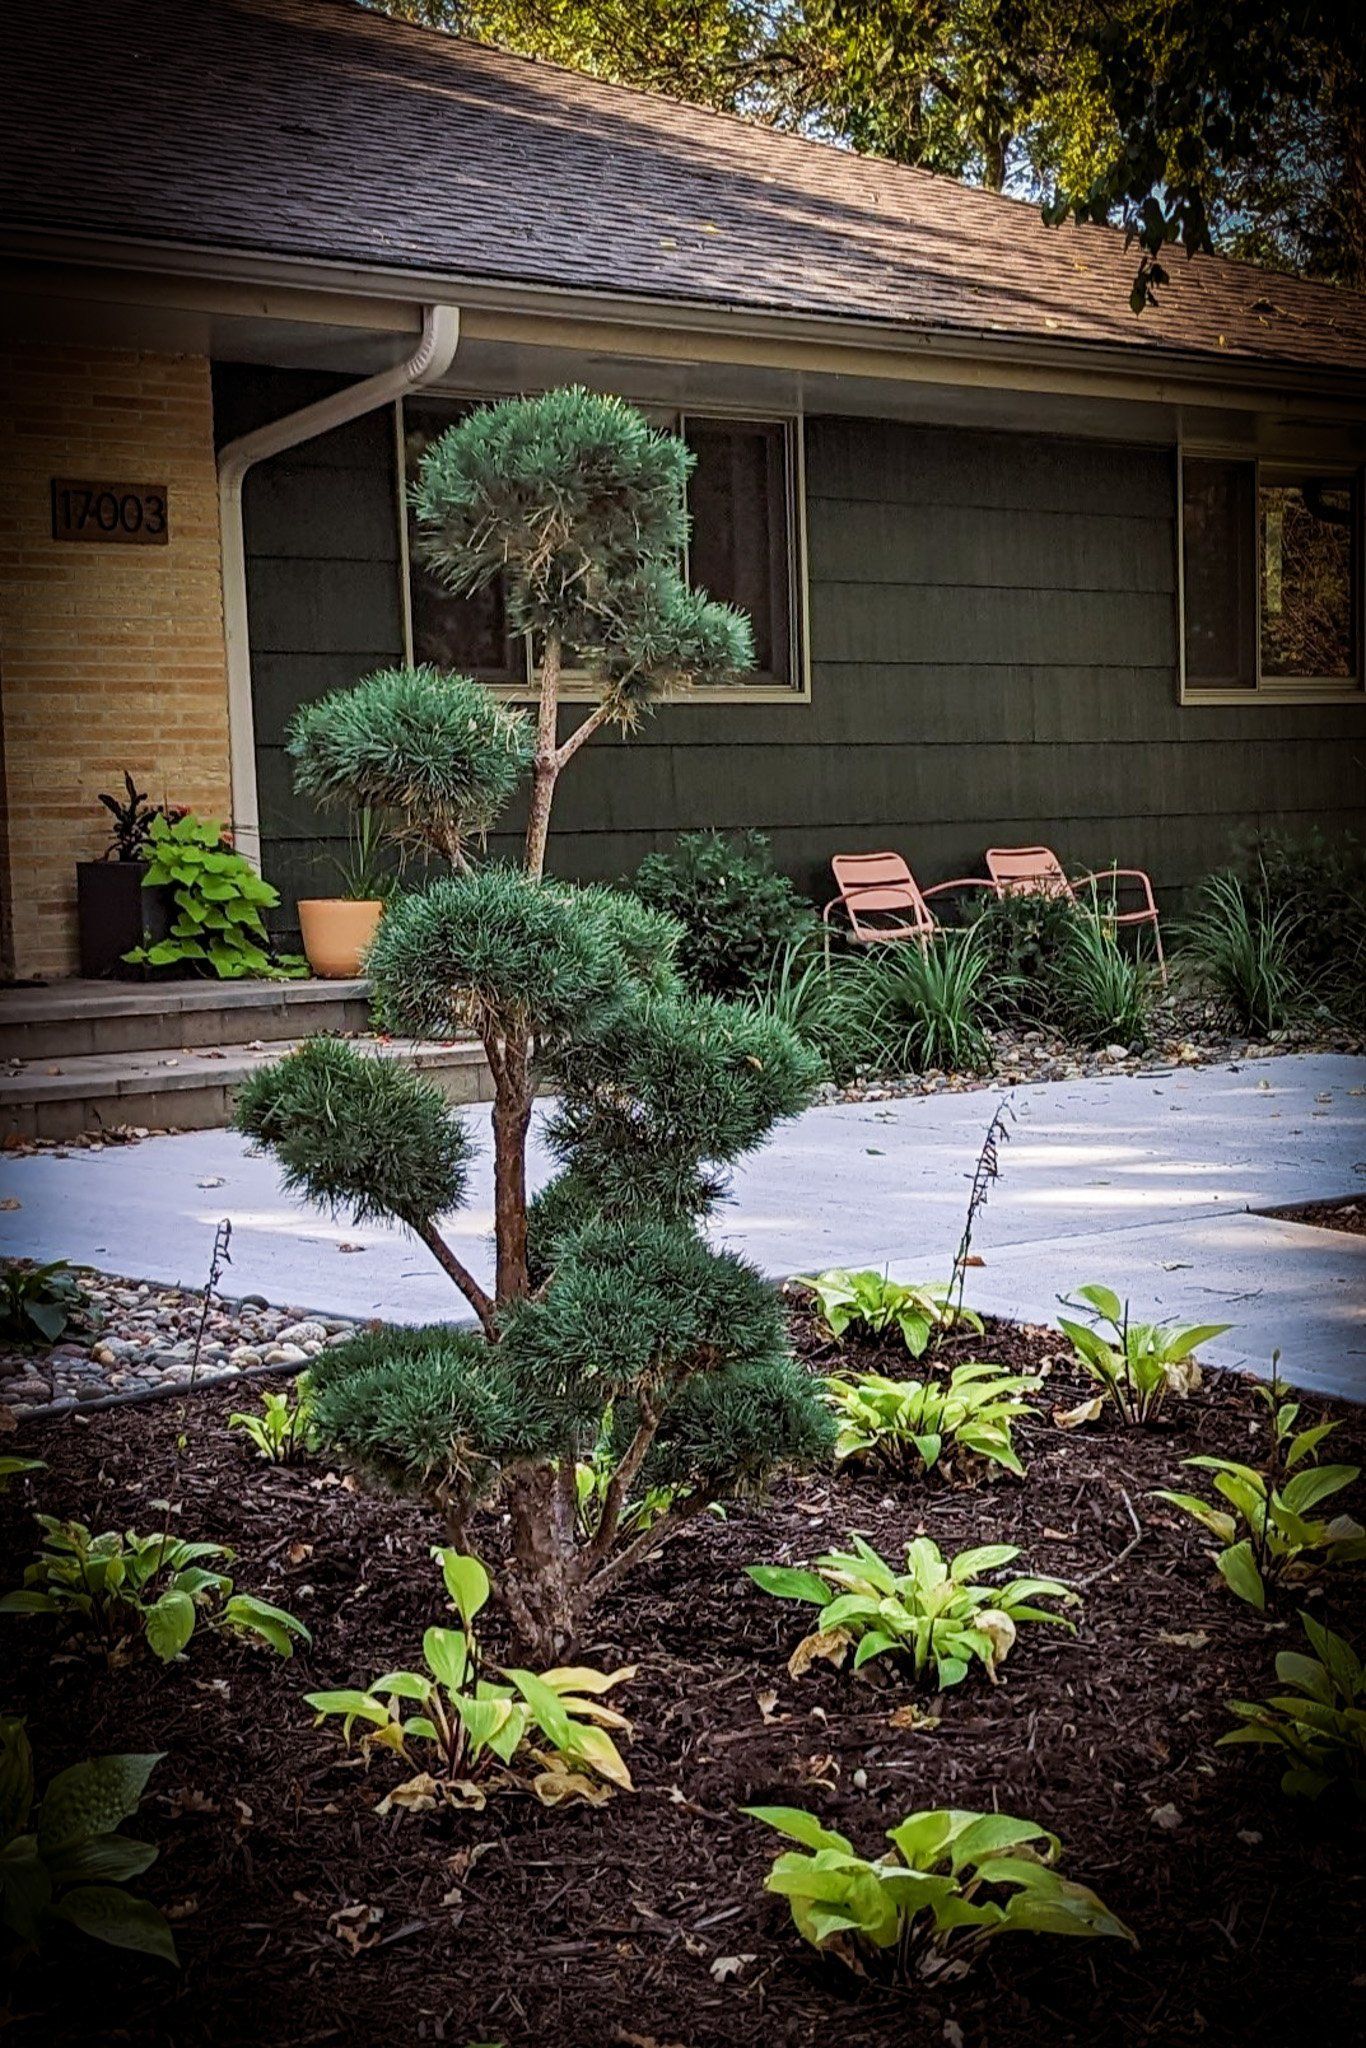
x=959 y=882
x=1139 y=875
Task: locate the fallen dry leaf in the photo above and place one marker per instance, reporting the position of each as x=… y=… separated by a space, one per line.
x=830 y=1643
x=1085 y=1411
x=355 y=1927
x=1167 y=1817
x=766 y=1702
x=1183 y=1639
x=729 y=1966
x=298 y=1552
x=554 y=1788
x=10 y=1203
x=912 y=1716
x=415 y=1795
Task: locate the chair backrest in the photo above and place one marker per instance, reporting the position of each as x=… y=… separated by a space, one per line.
x=1027 y=871
x=880 y=883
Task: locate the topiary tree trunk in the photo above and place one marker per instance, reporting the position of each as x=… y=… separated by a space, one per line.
x=616 y=1341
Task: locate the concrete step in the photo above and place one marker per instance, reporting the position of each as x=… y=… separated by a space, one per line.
x=191 y=1090
x=82 y=1019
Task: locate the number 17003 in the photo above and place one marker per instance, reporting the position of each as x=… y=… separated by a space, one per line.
x=136 y=514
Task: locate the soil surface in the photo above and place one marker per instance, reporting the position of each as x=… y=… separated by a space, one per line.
x=644 y=1922
x=1349 y=1216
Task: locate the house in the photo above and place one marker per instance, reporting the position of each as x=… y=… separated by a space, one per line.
x=1022 y=565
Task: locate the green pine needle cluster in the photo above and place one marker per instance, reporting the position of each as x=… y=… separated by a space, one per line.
x=439 y=754
x=353 y=1132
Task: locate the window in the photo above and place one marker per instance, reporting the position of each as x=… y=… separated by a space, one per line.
x=743 y=548
x=1271 y=565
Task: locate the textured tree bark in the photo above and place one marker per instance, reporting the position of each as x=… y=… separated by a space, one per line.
x=546 y=762
x=511 y=1121
x=538 y=1586
x=460 y=1273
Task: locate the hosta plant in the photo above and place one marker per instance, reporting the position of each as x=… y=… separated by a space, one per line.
x=930 y=1425
x=38 y=1304
x=118 y=1587
x=935 y=1612
x=1139 y=1364
x=285 y=1430
x=1318 y=1720
x=63 y=1862
x=875 y=1303
x=1282 y=1539
x=554 y=1725
x=950 y=1882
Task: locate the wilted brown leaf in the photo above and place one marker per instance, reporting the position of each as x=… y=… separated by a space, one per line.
x=1085 y=1411
x=830 y=1643
x=355 y=1927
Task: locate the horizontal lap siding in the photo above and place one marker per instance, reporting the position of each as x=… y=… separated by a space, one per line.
x=993 y=631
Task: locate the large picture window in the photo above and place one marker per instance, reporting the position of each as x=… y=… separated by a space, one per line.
x=1271 y=577
x=743 y=548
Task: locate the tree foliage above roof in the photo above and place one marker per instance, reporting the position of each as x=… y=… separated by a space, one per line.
x=1240 y=127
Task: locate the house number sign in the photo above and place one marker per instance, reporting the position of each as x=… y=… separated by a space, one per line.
x=136 y=515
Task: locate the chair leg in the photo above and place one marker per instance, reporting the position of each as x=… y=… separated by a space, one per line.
x=1161 y=956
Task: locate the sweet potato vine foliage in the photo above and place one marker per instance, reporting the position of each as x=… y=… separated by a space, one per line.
x=611 y=1319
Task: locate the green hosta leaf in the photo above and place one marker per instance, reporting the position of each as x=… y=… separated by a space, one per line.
x=26 y=1601
x=401 y=1685
x=987 y=1557
x=799 y=1826
x=110 y=1915
x=170 y=1624
x=790 y=1584
x=447 y=1653
x=105 y=1859
x=548 y=1713
x=258 y=1617
x=1238 y=1568
x=482 y=1719
x=1306 y=1489
x=356 y=1706
x=466 y=1581
x=16 y=1778
x=91 y=1799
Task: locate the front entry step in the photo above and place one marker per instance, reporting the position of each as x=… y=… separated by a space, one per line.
x=189 y=1090
x=82 y=1019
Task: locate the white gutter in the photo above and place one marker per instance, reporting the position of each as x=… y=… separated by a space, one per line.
x=430 y=360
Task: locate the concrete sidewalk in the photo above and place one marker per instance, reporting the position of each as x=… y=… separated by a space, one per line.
x=1145 y=1182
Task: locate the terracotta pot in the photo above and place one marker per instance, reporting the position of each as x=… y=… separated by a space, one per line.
x=336 y=933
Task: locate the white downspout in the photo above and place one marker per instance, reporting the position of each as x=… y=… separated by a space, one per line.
x=430 y=360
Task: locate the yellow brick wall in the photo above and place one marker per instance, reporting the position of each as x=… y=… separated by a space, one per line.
x=111 y=656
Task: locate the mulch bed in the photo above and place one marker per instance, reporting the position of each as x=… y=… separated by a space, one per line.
x=1347 y=1215
x=581 y=1928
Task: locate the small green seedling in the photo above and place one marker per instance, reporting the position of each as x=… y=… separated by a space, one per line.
x=284 y=1431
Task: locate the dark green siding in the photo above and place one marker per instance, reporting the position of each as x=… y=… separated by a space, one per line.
x=993 y=638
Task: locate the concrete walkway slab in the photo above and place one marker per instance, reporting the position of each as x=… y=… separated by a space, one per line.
x=1143 y=1181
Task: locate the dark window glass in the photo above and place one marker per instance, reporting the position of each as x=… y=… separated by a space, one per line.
x=1306 y=556
x=741 y=520
x=466 y=634
x=1217 y=530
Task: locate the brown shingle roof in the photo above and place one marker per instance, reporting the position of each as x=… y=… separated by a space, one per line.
x=316 y=129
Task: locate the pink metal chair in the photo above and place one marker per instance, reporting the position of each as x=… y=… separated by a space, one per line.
x=883 y=901
x=1037 y=871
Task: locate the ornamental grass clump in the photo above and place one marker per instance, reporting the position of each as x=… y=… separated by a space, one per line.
x=610 y=1316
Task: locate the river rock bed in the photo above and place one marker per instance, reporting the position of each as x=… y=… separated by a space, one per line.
x=136 y=1334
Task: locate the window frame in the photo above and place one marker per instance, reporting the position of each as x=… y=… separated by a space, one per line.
x=1280 y=690
x=575 y=685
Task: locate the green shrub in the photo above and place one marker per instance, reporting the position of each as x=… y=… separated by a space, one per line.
x=219 y=899
x=909 y=1010
x=1320 y=884
x=1023 y=935
x=1105 y=996
x=606 y=1296
x=936 y=1611
x=950 y=1884
x=1317 y=1721
x=738 y=913
x=66 y=1864
x=1245 y=946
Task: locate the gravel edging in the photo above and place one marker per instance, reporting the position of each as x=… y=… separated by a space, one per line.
x=141 y=1338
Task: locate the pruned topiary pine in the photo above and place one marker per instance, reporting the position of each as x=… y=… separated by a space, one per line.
x=611 y=1319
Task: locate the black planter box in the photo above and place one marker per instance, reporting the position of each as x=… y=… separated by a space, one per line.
x=115 y=913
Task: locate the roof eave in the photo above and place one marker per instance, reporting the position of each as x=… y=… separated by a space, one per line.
x=1169 y=375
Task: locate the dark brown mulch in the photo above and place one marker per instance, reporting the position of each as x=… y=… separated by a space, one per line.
x=1348 y=1215
x=583 y=1928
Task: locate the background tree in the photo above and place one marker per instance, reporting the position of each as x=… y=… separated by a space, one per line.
x=612 y=1327
x=1240 y=127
